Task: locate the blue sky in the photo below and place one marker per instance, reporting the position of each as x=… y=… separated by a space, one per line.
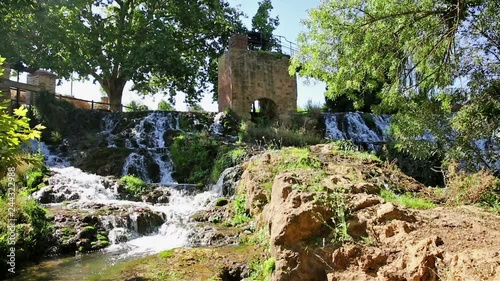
x=290 y=13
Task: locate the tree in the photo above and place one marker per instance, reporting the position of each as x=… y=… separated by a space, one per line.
x=264 y=24
x=160 y=46
x=165 y=106
x=421 y=50
x=134 y=106
x=262 y=21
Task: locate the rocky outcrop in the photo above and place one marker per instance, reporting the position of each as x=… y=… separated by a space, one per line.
x=293 y=218
x=89 y=226
x=329 y=223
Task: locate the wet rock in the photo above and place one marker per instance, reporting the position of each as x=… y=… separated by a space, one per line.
x=44 y=195
x=230 y=180
x=148 y=221
x=157 y=196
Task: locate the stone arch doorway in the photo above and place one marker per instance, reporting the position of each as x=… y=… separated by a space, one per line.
x=264 y=109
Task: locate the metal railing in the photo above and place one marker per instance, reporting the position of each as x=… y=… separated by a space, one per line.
x=287 y=47
x=23 y=98
x=276 y=43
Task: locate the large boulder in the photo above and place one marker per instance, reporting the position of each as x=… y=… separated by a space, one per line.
x=294 y=217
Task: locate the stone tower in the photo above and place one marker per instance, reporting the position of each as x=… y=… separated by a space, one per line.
x=247 y=76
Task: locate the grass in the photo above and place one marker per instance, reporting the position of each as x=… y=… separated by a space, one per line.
x=348 y=148
x=407 y=200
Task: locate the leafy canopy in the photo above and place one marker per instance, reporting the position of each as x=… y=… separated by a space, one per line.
x=429 y=55
x=160 y=46
x=262 y=20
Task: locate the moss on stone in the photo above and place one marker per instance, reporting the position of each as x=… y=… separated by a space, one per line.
x=103 y=161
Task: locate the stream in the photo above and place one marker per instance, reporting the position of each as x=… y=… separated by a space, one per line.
x=132 y=227
x=136 y=229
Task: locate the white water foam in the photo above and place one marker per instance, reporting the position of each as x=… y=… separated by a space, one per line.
x=176 y=229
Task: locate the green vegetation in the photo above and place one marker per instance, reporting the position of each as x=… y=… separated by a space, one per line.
x=190 y=153
x=23 y=223
x=263 y=23
x=261 y=270
x=348 y=148
x=335 y=202
x=276 y=137
x=14 y=131
x=137 y=41
x=257 y=238
x=347 y=45
x=166 y=254
x=481 y=188
x=227 y=156
x=241 y=215
x=134 y=185
x=54 y=114
x=221 y=202
x=32 y=178
x=135 y=106
x=165 y=106
x=32 y=228
x=407 y=200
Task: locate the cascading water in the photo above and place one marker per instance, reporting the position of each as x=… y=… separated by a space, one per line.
x=365 y=129
x=148 y=140
x=109 y=125
x=217 y=128
x=133 y=228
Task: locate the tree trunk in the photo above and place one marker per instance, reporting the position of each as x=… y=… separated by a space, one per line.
x=114 y=88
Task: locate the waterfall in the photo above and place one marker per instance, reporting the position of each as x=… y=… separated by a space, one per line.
x=147 y=139
x=109 y=126
x=136 y=164
x=217 y=128
x=367 y=129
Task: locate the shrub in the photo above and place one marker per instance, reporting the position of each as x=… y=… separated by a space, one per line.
x=165 y=106
x=474 y=188
x=226 y=157
x=14 y=131
x=241 y=215
x=33 y=229
x=277 y=137
x=190 y=155
x=134 y=106
x=34 y=177
x=53 y=113
x=261 y=270
x=134 y=185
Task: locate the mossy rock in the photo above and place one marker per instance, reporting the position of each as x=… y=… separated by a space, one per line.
x=103 y=161
x=221 y=202
x=185 y=264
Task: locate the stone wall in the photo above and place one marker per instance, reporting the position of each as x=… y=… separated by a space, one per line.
x=45 y=79
x=246 y=76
